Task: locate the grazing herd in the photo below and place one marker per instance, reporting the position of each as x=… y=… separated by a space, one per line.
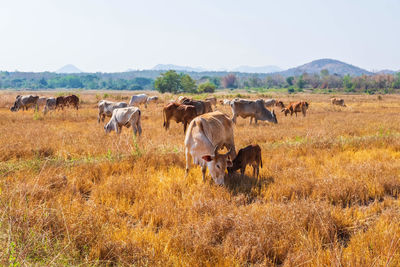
x=49 y=103
x=206 y=131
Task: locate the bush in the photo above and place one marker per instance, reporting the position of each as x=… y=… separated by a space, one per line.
x=206 y=88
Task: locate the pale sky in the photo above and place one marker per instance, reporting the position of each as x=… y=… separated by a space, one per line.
x=115 y=35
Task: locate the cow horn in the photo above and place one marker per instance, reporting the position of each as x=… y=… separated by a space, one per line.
x=216 y=150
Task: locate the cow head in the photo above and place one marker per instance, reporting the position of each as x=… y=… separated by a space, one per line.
x=109 y=127
x=16 y=105
x=217 y=165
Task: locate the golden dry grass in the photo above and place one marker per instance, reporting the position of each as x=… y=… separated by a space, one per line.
x=328 y=192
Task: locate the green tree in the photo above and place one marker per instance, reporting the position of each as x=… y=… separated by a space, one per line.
x=290 y=80
x=300 y=82
x=347 y=83
x=207 y=87
x=187 y=83
x=169 y=81
x=43 y=82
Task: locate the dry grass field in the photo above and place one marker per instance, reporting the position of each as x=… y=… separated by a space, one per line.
x=327 y=194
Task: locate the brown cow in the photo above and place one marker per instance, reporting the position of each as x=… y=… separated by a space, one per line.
x=179 y=113
x=60 y=102
x=301 y=106
x=250 y=155
x=71 y=100
x=338 y=101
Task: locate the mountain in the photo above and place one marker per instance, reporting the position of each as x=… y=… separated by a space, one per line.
x=386 y=72
x=69 y=69
x=177 y=68
x=244 y=69
x=332 y=65
x=261 y=69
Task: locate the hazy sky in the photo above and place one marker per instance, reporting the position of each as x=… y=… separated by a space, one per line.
x=114 y=35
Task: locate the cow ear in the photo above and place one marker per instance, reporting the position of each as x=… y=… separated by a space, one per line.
x=229 y=163
x=207 y=158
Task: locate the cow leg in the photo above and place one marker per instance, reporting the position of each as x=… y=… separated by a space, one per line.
x=251 y=119
x=255 y=120
x=234 y=118
x=188 y=158
x=254 y=170
x=203 y=170
x=242 y=170
x=184 y=126
x=139 y=127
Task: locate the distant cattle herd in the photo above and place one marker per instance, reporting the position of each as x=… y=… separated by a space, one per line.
x=206 y=131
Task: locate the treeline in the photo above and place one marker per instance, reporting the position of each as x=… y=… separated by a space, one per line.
x=171 y=81
x=85 y=81
x=378 y=83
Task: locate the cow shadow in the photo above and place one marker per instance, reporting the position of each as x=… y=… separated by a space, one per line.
x=249 y=186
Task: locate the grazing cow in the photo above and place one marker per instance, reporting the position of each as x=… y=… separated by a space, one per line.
x=106 y=108
x=71 y=100
x=201 y=106
x=66 y=101
x=136 y=100
x=124 y=117
x=205 y=135
x=179 y=113
x=212 y=100
x=50 y=105
x=279 y=104
x=338 y=101
x=60 y=102
x=250 y=155
x=25 y=102
x=301 y=106
x=253 y=109
x=152 y=99
x=270 y=102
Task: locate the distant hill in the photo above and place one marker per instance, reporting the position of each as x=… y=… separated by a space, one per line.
x=386 y=72
x=69 y=69
x=261 y=69
x=177 y=68
x=332 y=65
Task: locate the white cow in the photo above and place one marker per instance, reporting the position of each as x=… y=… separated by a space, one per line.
x=25 y=102
x=152 y=99
x=206 y=134
x=51 y=104
x=136 y=100
x=124 y=117
x=106 y=108
x=225 y=102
